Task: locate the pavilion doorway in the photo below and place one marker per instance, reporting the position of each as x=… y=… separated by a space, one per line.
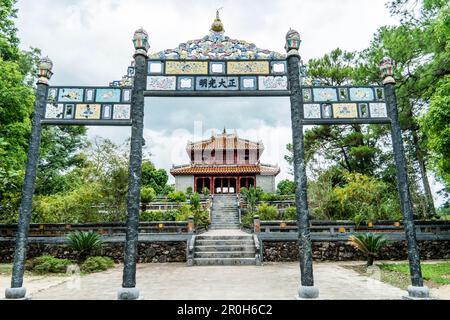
x=225 y=185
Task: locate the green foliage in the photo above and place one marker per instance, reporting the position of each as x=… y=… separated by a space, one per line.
x=189 y=191
x=286 y=187
x=267 y=212
x=177 y=196
x=194 y=200
x=436 y=272
x=84 y=242
x=436 y=125
x=96 y=264
x=290 y=214
x=148 y=194
x=252 y=196
x=205 y=191
x=47 y=264
x=369 y=244
x=155 y=178
x=364 y=198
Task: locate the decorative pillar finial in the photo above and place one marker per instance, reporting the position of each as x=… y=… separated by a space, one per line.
x=293 y=42
x=45 y=70
x=387 y=70
x=217 y=25
x=140 y=41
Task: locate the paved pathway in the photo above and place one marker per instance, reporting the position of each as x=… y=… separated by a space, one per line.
x=176 y=281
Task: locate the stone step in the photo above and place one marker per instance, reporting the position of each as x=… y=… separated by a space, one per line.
x=224 y=237
x=224 y=261
x=249 y=248
x=224 y=254
x=242 y=242
x=225 y=227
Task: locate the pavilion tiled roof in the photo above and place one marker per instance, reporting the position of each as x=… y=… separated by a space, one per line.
x=225 y=142
x=226 y=169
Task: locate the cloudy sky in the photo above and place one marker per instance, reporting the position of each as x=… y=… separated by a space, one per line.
x=90 y=44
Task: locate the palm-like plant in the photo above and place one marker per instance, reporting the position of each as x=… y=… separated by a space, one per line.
x=369 y=244
x=84 y=243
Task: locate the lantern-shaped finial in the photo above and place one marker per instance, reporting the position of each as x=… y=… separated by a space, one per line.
x=217 y=25
x=293 y=42
x=387 y=70
x=140 y=41
x=45 y=70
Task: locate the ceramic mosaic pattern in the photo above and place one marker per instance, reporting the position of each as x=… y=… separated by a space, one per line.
x=345 y=110
x=312 y=111
x=361 y=94
x=122 y=112
x=108 y=95
x=324 y=94
x=248 y=67
x=186 y=67
x=54 y=111
x=378 y=110
x=88 y=111
x=273 y=83
x=217 y=46
x=70 y=95
x=161 y=83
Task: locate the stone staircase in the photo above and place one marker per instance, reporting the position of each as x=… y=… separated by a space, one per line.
x=224 y=243
x=225 y=212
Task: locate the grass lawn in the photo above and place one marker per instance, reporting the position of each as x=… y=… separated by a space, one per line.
x=434 y=274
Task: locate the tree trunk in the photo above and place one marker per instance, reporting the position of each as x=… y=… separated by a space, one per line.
x=370 y=260
x=431 y=210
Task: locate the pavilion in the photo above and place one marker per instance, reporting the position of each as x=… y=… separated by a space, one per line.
x=224 y=164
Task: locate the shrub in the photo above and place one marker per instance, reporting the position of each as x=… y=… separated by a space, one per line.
x=195 y=201
x=369 y=244
x=267 y=212
x=96 y=264
x=183 y=213
x=286 y=187
x=148 y=194
x=252 y=196
x=149 y=216
x=47 y=264
x=84 y=242
x=290 y=214
x=177 y=196
x=205 y=191
x=269 y=196
x=189 y=191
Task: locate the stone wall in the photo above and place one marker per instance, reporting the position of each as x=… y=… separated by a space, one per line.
x=184 y=182
x=284 y=251
x=267 y=183
x=149 y=252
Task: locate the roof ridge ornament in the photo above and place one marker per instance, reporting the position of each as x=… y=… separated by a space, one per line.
x=217 y=25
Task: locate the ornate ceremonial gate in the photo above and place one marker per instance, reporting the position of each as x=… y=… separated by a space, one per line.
x=214 y=66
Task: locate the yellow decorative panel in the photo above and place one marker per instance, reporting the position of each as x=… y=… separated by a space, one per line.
x=88 y=111
x=345 y=110
x=248 y=67
x=186 y=67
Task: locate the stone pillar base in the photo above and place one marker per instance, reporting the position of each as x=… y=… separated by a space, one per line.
x=417 y=293
x=307 y=293
x=16 y=293
x=128 y=294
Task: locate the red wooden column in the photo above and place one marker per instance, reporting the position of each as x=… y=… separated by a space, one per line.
x=238 y=184
x=212 y=185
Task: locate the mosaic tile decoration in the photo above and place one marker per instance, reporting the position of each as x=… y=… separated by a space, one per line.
x=345 y=110
x=54 y=111
x=361 y=94
x=186 y=83
x=272 y=83
x=186 y=67
x=324 y=94
x=108 y=95
x=249 y=83
x=122 y=112
x=70 y=95
x=378 y=110
x=88 y=111
x=312 y=111
x=161 y=83
x=248 y=67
